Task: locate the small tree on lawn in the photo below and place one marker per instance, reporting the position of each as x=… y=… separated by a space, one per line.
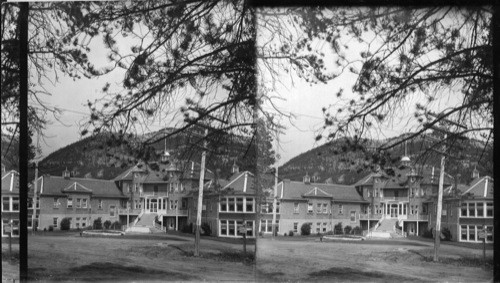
x=347 y=229
x=338 y=228
x=98 y=224
x=305 y=229
x=107 y=224
x=65 y=223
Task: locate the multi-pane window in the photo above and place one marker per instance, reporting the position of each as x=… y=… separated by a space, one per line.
x=54 y=222
x=56 y=203
x=230 y=228
x=223 y=204
x=70 y=202
x=111 y=210
x=5 y=203
x=223 y=227
x=325 y=208
x=480 y=209
x=295 y=227
x=324 y=227
x=99 y=204
x=353 y=216
x=318 y=208
x=318 y=227
x=84 y=203
x=489 y=209
x=295 y=207
x=249 y=205
x=472 y=233
x=15 y=203
x=239 y=204
x=309 y=207
x=341 y=208
x=472 y=209
x=463 y=210
x=84 y=221
x=78 y=202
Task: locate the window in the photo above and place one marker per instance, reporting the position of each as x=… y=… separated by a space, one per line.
x=56 y=202
x=249 y=205
x=472 y=233
x=84 y=203
x=278 y=207
x=480 y=209
x=54 y=222
x=340 y=209
x=309 y=208
x=175 y=204
x=184 y=204
x=239 y=204
x=70 y=202
x=231 y=205
x=5 y=204
x=99 y=204
x=318 y=227
x=376 y=209
x=324 y=227
x=353 y=216
x=295 y=207
x=463 y=232
x=111 y=210
x=231 y=228
x=318 y=208
x=78 y=203
x=463 y=210
x=249 y=225
x=325 y=208
x=489 y=233
x=295 y=227
x=489 y=209
x=223 y=227
x=472 y=209
x=223 y=204
x=15 y=203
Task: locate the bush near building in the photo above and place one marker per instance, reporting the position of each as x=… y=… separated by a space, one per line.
x=205 y=229
x=98 y=224
x=338 y=229
x=65 y=224
x=107 y=224
x=305 y=229
x=347 y=229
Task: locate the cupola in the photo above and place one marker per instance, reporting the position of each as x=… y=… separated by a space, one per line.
x=66 y=174
x=235 y=168
x=307 y=179
x=475 y=173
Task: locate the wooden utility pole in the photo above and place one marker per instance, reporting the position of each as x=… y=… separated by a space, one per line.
x=437 y=231
x=33 y=217
x=275 y=194
x=200 y=198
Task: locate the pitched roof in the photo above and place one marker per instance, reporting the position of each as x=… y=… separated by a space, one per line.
x=241 y=182
x=316 y=192
x=155 y=172
x=10 y=182
x=481 y=188
x=54 y=185
x=299 y=191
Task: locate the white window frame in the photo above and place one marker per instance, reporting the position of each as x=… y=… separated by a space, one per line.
x=57 y=203
x=295 y=227
x=55 y=222
x=296 y=207
x=70 y=202
x=233 y=200
x=9 y=200
x=310 y=207
x=84 y=203
x=341 y=209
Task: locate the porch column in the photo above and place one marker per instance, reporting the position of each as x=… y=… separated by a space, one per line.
x=417 y=227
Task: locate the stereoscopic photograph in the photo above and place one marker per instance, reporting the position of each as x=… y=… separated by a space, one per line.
x=213 y=141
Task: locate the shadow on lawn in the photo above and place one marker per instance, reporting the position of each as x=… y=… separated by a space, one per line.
x=108 y=271
x=461 y=261
x=350 y=274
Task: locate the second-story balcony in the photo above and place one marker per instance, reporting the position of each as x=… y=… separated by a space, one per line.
x=424 y=217
x=124 y=211
x=393 y=198
x=367 y=216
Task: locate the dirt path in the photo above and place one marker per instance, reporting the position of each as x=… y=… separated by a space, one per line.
x=354 y=261
x=82 y=258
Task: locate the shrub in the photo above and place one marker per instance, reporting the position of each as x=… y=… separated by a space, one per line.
x=290 y=233
x=446 y=233
x=305 y=229
x=338 y=228
x=187 y=228
x=116 y=225
x=65 y=223
x=427 y=233
x=107 y=224
x=356 y=230
x=329 y=232
x=205 y=229
x=51 y=228
x=98 y=224
x=347 y=229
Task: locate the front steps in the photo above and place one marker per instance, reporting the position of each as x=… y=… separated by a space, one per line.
x=145 y=224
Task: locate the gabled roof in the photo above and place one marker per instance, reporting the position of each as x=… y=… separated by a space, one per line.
x=59 y=186
x=10 y=182
x=241 y=182
x=299 y=191
x=76 y=188
x=157 y=175
x=316 y=192
x=481 y=188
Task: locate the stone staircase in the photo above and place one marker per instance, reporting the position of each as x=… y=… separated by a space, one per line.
x=145 y=223
x=384 y=229
x=387 y=225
